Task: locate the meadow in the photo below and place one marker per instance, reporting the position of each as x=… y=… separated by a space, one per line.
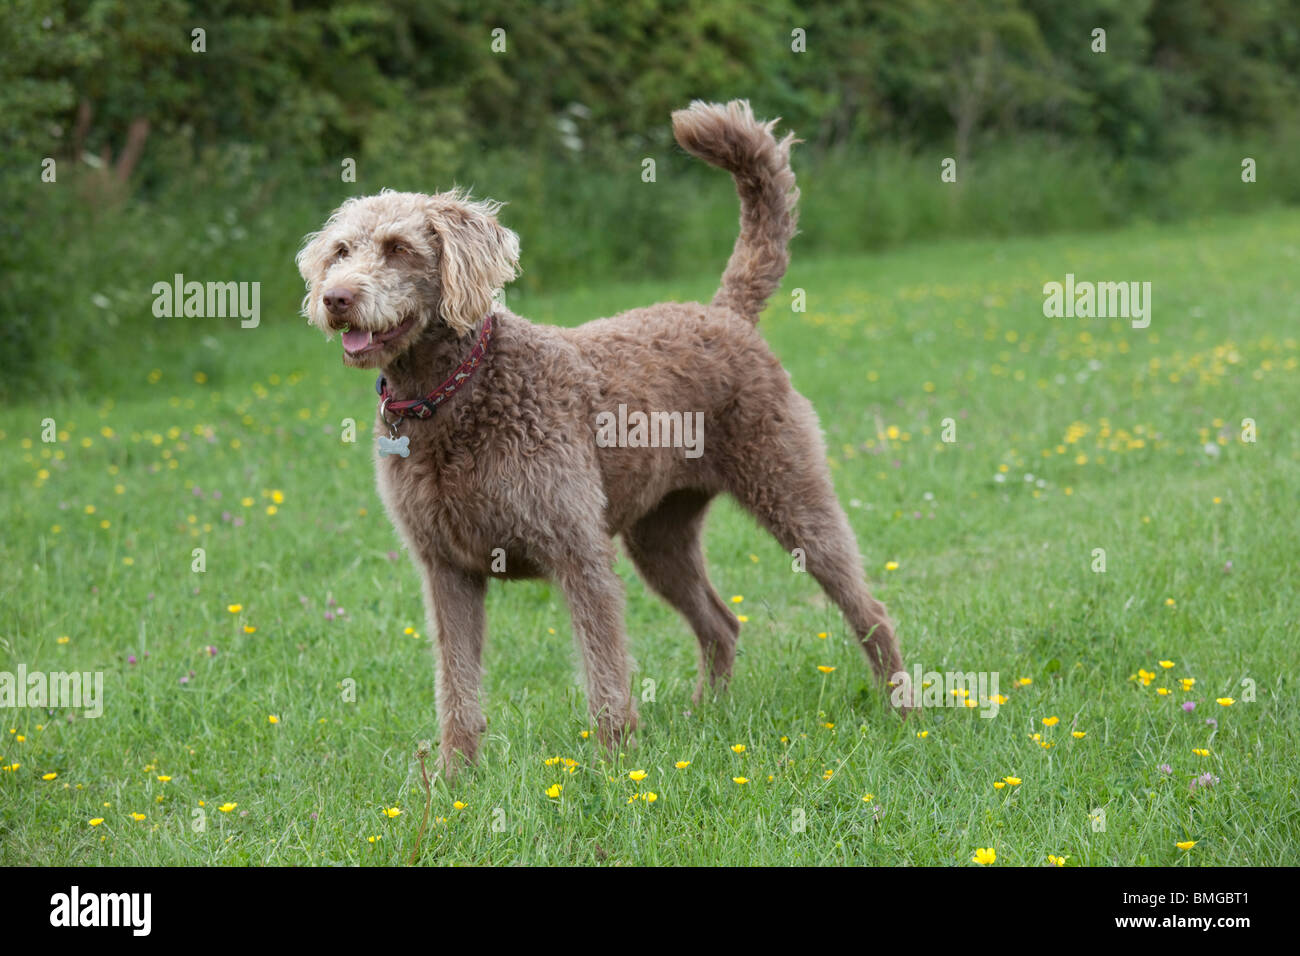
x=267 y=709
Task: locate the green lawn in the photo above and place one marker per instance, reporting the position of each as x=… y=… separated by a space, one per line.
x=1133 y=441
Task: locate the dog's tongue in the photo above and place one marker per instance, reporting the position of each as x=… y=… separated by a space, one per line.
x=354 y=340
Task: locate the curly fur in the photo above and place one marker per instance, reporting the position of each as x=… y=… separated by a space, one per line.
x=510 y=467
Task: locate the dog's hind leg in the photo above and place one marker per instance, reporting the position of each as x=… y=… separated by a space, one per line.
x=782 y=479
x=665 y=547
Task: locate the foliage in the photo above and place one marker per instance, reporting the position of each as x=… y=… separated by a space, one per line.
x=159 y=148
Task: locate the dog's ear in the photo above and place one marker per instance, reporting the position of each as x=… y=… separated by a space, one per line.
x=318 y=248
x=311 y=256
x=477 y=257
x=311 y=260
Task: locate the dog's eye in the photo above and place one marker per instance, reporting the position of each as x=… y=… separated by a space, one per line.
x=341 y=252
x=398 y=248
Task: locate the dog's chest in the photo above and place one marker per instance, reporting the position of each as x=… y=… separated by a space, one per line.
x=438 y=502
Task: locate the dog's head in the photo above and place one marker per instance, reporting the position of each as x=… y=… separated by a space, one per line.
x=388 y=269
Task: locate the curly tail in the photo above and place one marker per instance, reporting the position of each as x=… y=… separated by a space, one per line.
x=728 y=136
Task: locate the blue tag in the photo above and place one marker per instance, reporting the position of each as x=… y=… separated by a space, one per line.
x=394 y=446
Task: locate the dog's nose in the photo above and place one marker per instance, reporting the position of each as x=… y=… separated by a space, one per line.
x=338 y=301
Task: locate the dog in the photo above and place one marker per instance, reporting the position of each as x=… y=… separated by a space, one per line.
x=488 y=459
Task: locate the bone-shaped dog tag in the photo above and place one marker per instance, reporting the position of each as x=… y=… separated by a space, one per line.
x=394 y=446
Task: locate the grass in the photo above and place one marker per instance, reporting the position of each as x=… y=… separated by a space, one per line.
x=994 y=573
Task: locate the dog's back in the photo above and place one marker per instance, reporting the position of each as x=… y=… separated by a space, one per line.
x=687 y=370
x=682 y=360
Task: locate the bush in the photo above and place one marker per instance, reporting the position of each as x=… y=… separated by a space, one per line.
x=81 y=273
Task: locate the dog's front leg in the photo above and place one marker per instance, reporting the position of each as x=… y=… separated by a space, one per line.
x=595 y=597
x=455 y=604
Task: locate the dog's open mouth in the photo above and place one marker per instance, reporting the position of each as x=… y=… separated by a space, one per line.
x=364 y=341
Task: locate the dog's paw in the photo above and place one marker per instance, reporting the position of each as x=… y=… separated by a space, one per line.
x=615 y=732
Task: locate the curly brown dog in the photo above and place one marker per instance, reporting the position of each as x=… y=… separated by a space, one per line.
x=497 y=451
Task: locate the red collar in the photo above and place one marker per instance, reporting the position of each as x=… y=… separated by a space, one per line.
x=424 y=407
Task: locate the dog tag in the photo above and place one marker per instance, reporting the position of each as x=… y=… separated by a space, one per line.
x=394 y=446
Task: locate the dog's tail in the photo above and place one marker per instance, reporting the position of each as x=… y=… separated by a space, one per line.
x=730 y=138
